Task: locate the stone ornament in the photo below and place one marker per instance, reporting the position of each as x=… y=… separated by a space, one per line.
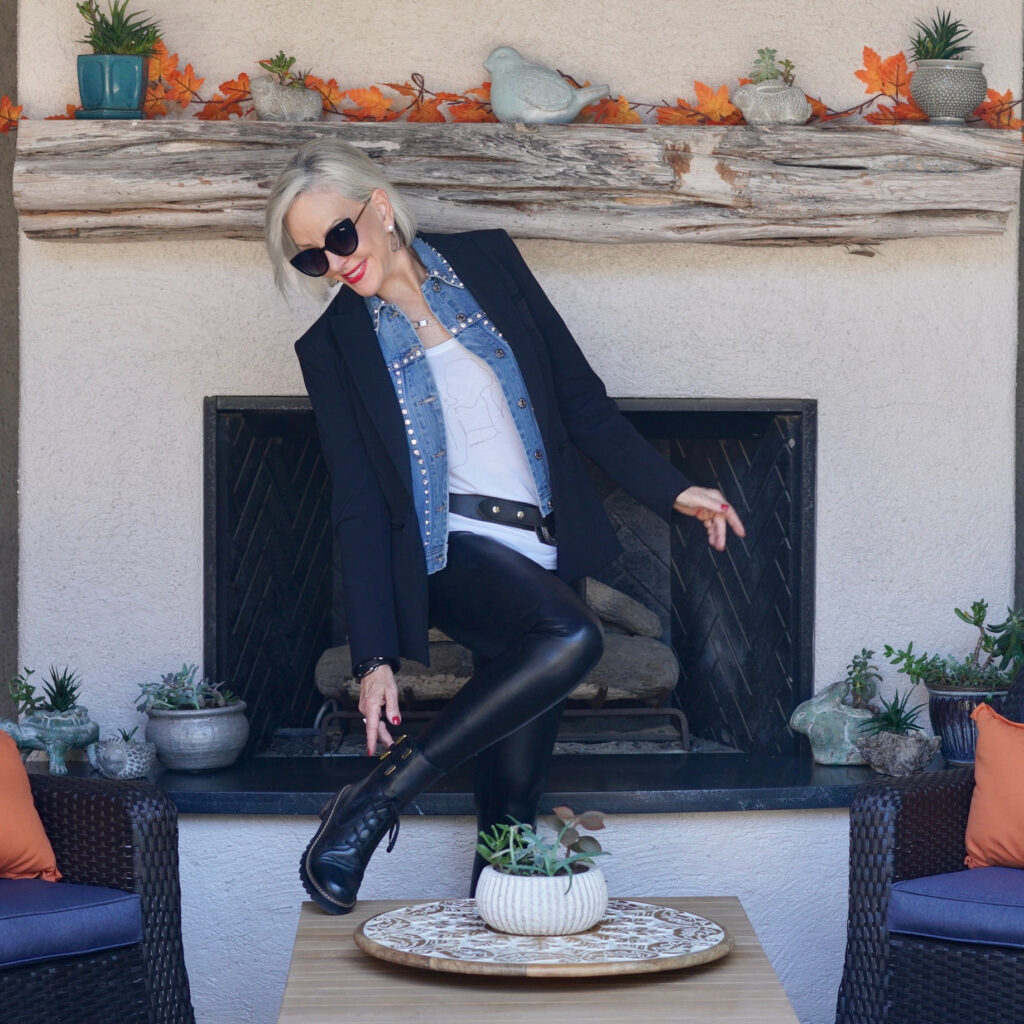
x=55 y=732
x=527 y=93
x=892 y=754
x=276 y=102
x=772 y=103
x=124 y=759
x=832 y=727
x=631 y=938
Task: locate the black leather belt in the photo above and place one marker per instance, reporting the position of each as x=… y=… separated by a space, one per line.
x=502 y=510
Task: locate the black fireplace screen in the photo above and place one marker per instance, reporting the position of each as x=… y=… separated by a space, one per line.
x=740 y=622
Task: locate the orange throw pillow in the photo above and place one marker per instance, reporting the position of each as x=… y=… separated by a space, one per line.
x=995 y=825
x=25 y=852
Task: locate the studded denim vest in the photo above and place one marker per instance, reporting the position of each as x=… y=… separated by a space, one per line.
x=454 y=306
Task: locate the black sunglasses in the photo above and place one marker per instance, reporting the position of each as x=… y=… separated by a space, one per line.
x=342 y=240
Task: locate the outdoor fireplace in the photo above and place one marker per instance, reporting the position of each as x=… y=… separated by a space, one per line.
x=739 y=622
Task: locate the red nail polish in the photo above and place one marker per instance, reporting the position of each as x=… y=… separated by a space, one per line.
x=725 y=507
x=395 y=720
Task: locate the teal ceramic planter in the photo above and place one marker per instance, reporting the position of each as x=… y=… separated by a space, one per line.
x=111 y=85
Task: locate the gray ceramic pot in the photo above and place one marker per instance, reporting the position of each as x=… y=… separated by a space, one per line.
x=948 y=91
x=276 y=102
x=194 y=741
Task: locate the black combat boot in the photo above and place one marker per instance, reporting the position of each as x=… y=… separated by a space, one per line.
x=356 y=820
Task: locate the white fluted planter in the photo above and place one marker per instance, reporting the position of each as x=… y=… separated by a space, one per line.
x=541 y=905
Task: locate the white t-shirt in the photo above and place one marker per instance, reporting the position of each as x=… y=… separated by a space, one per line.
x=485 y=452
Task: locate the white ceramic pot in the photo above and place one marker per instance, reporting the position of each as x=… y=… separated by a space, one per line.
x=193 y=741
x=948 y=91
x=541 y=905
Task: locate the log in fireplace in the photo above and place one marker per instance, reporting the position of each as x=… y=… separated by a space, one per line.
x=739 y=622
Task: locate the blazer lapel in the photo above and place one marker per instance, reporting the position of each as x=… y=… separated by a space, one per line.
x=357 y=342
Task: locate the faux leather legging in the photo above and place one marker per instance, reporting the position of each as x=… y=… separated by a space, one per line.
x=533 y=640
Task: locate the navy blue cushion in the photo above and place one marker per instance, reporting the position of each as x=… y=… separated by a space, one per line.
x=982 y=905
x=43 y=920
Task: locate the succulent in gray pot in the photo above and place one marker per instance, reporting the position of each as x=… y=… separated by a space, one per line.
x=281 y=94
x=770 y=97
x=194 y=724
x=956 y=686
x=893 y=742
x=531 y=887
x=944 y=85
x=112 y=79
x=53 y=722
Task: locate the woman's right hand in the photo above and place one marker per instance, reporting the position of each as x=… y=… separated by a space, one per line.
x=378 y=703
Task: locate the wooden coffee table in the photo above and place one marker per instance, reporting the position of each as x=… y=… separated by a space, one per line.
x=331 y=979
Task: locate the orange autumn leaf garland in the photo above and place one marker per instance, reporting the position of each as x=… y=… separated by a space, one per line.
x=885 y=78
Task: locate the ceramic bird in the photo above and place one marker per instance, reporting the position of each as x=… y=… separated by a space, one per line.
x=532 y=93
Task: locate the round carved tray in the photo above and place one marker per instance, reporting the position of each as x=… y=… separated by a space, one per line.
x=632 y=938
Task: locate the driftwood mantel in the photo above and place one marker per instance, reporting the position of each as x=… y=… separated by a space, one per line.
x=117 y=180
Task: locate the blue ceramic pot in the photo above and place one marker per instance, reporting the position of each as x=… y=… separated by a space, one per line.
x=111 y=85
x=950 y=712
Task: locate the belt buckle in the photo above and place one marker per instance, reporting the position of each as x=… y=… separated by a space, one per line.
x=544 y=533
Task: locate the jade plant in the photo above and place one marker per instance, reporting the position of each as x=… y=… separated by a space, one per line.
x=117 y=31
x=943 y=38
x=281 y=68
x=182 y=691
x=60 y=691
x=766 y=68
x=862 y=679
x=894 y=717
x=997 y=657
x=518 y=849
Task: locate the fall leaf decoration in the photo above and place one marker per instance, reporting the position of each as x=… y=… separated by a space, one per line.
x=10 y=115
x=886 y=81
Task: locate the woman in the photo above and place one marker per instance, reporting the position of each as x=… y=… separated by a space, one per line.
x=451 y=400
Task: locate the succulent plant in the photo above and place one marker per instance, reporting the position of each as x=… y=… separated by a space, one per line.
x=60 y=692
x=117 y=31
x=181 y=691
x=894 y=717
x=997 y=657
x=862 y=679
x=942 y=39
x=281 y=68
x=766 y=68
x=518 y=849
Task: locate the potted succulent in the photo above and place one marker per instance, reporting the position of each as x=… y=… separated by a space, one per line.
x=112 y=79
x=281 y=94
x=832 y=718
x=944 y=85
x=194 y=724
x=53 y=722
x=533 y=885
x=124 y=757
x=956 y=686
x=893 y=742
x=770 y=97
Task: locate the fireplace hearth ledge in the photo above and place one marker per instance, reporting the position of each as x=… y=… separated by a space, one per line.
x=616 y=784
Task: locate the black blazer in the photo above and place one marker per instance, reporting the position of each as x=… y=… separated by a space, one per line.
x=383 y=564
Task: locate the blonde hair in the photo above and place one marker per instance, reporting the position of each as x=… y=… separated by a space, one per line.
x=332 y=165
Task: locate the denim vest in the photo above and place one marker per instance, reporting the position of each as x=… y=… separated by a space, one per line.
x=456 y=309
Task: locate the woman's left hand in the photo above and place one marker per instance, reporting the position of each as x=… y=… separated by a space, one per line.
x=717 y=515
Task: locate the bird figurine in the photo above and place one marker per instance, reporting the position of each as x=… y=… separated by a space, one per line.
x=533 y=94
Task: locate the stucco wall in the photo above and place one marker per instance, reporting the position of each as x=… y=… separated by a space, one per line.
x=8 y=372
x=902 y=350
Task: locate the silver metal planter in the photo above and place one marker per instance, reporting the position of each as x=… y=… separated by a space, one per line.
x=194 y=741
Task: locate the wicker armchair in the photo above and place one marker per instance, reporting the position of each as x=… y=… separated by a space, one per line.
x=906 y=828
x=122 y=835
